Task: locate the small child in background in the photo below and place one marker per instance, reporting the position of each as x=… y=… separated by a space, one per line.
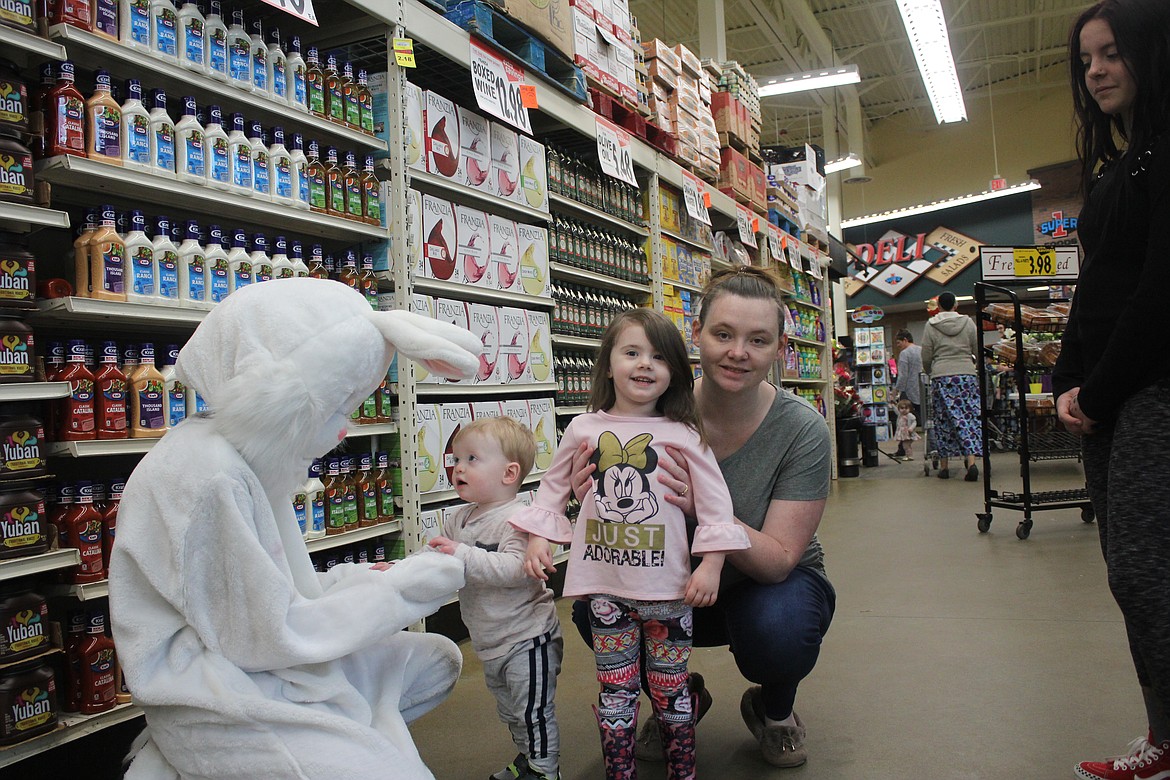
x=511 y=617
x=904 y=432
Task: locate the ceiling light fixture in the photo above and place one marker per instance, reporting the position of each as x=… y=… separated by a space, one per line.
x=937 y=205
x=927 y=30
x=850 y=160
x=812 y=79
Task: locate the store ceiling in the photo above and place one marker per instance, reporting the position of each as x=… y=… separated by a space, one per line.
x=1012 y=46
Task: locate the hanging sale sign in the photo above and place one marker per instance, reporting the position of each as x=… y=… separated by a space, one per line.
x=1030 y=262
x=693 y=196
x=302 y=9
x=616 y=152
x=749 y=225
x=776 y=245
x=497 y=83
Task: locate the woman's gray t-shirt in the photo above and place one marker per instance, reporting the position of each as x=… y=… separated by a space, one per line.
x=788 y=458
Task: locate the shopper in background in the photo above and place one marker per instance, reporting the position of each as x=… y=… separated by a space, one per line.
x=909 y=383
x=511 y=617
x=904 y=432
x=775 y=600
x=1107 y=387
x=949 y=345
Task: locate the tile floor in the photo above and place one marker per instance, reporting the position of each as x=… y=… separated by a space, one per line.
x=953 y=654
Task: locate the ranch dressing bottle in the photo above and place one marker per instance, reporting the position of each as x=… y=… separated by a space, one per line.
x=192 y=269
x=300 y=173
x=261 y=262
x=215 y=40
x=166 y=254
x=284 y=184
x=295 y=68
x=175 y=407
x=137 y=139
x=261 y=172
x=300 y=270
x=282 y=267
x=162 y=129
x=164 y=30
x=134 y=24
x=192 y=38
x=259 y=55
x=240 y=152
x=217 y=151
x=142 y=267
x=277 y=67
x=239 y=49
x=216 y=263
x=190 y=145
x=239 y=262
x=314 y=490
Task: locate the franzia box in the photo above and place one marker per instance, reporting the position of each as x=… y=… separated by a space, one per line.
x=454 y=312
x=505 y=173
x=544 y=427
x=512 y=366
x=424 y=305
x=540 y=355
x=442 y=137
x=440 y=238
x=518 y=411
x=505 y=252
x=415 y=138
x=452 y=418
x=472 y=258
x=429 y=520
x=486 y=409
x=414 y=242
x=483 y=322
x=429 y=440
x=533 y=244
x=475 y=149
x=533 y=174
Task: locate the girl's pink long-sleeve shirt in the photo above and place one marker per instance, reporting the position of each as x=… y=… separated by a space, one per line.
x=628 y=541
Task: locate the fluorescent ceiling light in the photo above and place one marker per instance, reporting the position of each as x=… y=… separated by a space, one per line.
x=812 y=79
x=924 y=208
x=927 y=30
x=850 y=160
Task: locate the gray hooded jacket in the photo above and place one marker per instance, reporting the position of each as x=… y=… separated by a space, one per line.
x=949 y=345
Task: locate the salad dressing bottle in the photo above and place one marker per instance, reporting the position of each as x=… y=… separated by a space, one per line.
x=103 y=123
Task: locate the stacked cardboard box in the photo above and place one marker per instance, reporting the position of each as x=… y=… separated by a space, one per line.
x=743 y=120
x=742 y=179
x=603 y=46
x=641 y=72
x=679 y=100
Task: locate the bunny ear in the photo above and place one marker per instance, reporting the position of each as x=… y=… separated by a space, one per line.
x=443 y=348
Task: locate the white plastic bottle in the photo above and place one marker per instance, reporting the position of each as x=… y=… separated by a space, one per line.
x=261 y=261
x=300 y=507
x=215 y=37
x=314 y=502
x=240 y=152
x=164 y=30
x=137 y=140
x=261 y=172
x=134 y=24
x=277 y=67
x=140 y=262
x=300 y=270
x=162 y=131
x=166 y=254
x=299 y=164
x=190 y=145
x=219 y=282
x=175 y=406
x=259 y=53
x=239 y=48
x=239 y=262
x=192 y=37
x=192 y=269
x=284 y=183
x=295 y=69
x=217 y=151
x=282 y=267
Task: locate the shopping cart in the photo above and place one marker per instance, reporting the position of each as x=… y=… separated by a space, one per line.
x=929 y=445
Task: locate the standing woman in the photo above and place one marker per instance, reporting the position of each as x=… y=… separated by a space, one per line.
x=775 y=600
x=949 y=345
x=1107 y=388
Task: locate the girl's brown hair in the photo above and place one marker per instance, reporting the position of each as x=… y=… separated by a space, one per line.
x=678 y=402
x=745 y=282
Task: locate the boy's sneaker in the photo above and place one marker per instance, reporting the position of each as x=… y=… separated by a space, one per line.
x=518 y=768
x=782 y=746
x=1145 y=761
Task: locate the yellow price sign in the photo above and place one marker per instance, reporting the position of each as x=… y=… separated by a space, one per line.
x=1034 y=261
x=404 y=52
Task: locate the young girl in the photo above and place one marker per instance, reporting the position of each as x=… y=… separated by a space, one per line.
x=629 y=556
x=904 y=433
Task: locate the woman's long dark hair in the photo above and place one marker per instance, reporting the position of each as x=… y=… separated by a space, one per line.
x=678 y=402
x=1141 y=30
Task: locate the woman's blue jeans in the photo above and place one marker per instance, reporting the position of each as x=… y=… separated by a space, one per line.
x=774 y=631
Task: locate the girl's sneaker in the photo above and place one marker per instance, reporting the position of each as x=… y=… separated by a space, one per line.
x=1145 y=761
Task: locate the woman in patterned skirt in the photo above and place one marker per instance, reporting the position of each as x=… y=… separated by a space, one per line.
x=948 y=355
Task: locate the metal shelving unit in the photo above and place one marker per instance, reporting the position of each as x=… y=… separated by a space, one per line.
x=574 y=274
x=575 y=208
x=19 y=218
x=460 y=193
x=72 y=727
x=33 y=391
x=13 y=39
x=37 y=564
x=349 y=537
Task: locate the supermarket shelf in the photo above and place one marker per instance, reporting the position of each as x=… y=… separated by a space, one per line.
x=374 y=429
x=33 y=44
x=74 y=310
x=682 y=285
x=34 y=391
x=670 y=173
x=19 y=218
x=806 y=342
x=560 y=340
x=100 y=448
x=74 y=727
x=688 y=241
x=572 y=273
x=461 y=389
x=90 y=178
x=439 y=496
x=790 y=298
x=90 y=51
x=466 y=292
x=568 y=411
x=469 y=196
x=563 y=204
x=428 y=27
x=35 y=564
x=349 y=537
x=87 y=592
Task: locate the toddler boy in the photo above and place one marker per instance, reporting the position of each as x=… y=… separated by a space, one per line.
x=511 y=617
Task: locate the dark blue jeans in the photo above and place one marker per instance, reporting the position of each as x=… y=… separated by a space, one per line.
x=774 y=631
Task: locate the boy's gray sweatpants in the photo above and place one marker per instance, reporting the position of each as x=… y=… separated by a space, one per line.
x=524 y=683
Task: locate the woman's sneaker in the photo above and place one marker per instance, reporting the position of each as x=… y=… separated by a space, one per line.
x=1145 y=761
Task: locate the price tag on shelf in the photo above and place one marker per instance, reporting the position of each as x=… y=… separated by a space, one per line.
x=404 y=52
x=616 y=152
x=1030 y=262
x=528 y=95
x=301 y=9
x=1034 y=261
x=747 y=224
x=693 y=196
x=776 y=245
x=497 y=83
